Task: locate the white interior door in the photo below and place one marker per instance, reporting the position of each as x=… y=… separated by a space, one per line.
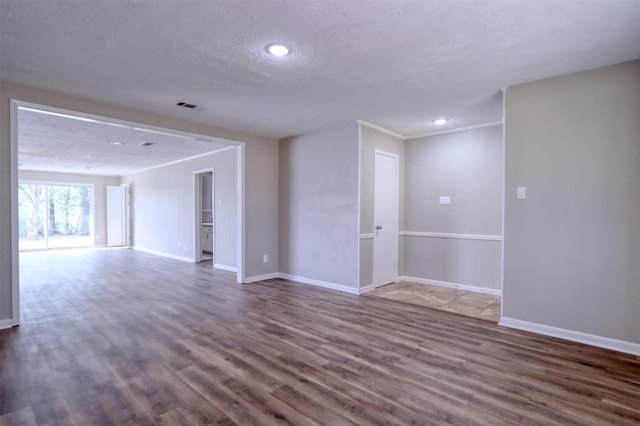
x=385 y=218
x=116 y=216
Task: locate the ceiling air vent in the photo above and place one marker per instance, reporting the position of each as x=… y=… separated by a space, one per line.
x=187 y=105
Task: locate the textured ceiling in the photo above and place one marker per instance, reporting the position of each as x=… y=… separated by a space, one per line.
x=397 y=64
x=56 y=143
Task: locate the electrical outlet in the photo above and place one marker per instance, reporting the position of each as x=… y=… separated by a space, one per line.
x=265 y=258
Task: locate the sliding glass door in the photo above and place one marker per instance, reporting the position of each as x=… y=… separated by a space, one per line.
x=54 y=216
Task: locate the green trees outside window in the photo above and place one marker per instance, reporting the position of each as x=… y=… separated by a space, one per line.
x=52 y=216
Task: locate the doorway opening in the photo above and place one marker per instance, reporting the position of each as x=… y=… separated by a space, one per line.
x=87 y=163
x=52 y=216
x=204 y=196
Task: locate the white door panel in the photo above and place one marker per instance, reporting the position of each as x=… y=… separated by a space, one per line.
x=385 y=217
x=116 y=217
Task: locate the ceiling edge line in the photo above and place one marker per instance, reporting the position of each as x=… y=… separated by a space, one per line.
x=216 y=151
x=459 y=129
x=382 y=129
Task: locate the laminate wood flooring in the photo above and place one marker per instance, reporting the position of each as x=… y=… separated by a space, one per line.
x=125 y=337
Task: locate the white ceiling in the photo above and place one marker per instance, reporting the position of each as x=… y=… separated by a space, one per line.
x=397 y=64
x=59 y=143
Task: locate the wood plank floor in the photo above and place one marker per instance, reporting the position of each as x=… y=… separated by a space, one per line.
x=124 y=337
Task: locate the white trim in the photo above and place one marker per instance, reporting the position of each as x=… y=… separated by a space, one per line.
x=7 y=323
x=452 y=236
x=359 y=213
x=163 y=254
x=240 y=213
x=367 y=236
x=382 y=129
x=504 y=188
x=459 y=129
x=197 y=207
x=368 y=288
x=13 y=212
x=574 y=336
x=465 y=287
x=225 y=267
x=181 y=160
x=262 y=277
x=318 y=283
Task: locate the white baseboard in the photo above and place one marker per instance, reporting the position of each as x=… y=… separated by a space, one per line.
x=225 y=267
x=453 y=285
x=163 y=254
x=575 y=336
x=367 y=288
x=262 y=277
x=7 y=323
x=318 y=283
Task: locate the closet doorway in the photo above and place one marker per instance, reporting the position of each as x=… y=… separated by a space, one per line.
x=204 y=207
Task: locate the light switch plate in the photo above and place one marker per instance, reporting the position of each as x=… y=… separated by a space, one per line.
x=521 y=192
x=445 y=200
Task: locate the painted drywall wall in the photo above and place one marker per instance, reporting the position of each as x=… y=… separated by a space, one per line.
x=261 y=178
x=572 y=247
x=163 y=199
x=100 y=194
x=468 y=167
x=370 y=140
x=319 y=206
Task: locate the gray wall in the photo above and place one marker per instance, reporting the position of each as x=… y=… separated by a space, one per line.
x=100 y=194
x=572 y=247
x=370 y=140
x=319 y=206
x=468 y=167
x=261 y=178
x=163 y=200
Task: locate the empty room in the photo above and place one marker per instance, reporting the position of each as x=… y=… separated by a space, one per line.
x=319 y=212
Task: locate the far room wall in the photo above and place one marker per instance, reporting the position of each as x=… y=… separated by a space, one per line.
x=163 y=207
x=100 y=194
x=457 y=243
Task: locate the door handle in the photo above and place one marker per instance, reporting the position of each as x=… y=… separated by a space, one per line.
x=378 y=227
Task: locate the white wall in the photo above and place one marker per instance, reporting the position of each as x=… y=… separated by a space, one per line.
x=319 y=233
x=467 y=166
x=163 y=203
x=572 y=247
x=100 y=194
x=261 y=179
x=370 y=140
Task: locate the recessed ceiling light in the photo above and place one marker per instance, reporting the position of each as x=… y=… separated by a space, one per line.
x=278 y=49
x=440 y=121
x=88 y=157
x=145 y=143
x=116 y=143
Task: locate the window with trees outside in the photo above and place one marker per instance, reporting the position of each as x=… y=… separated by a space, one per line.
x=54 y=216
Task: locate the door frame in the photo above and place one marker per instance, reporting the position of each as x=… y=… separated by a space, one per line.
x=396 y=158
x=197 y=205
